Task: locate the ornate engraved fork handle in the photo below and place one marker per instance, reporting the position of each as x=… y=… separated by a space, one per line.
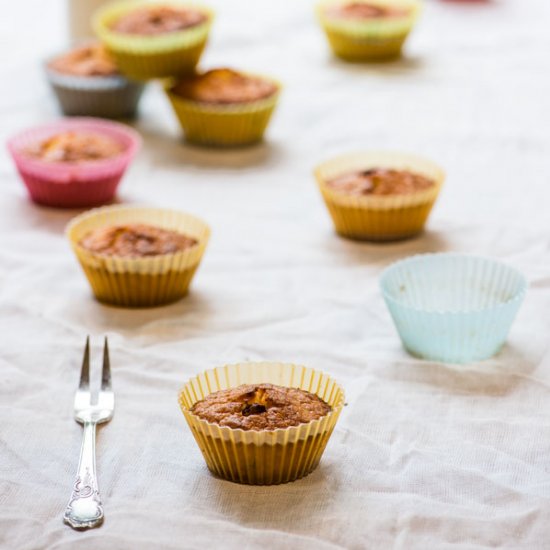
x=84 y=509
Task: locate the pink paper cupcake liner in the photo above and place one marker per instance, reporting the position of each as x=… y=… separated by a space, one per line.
x=76 y=185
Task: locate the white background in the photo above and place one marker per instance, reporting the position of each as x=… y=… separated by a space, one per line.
x=425 y=455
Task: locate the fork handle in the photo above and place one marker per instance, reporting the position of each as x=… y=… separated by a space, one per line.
x=85 y=509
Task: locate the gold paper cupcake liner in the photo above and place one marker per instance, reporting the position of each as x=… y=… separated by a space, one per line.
x=223 y=125
x=139 y=282
x=265 y=457
x=372 y=39
x=148 y=57
x=379 y=218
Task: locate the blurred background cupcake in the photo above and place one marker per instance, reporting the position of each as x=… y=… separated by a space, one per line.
x=223 y=107
x=154 y=39
x=74 y=162
x=379 y=196
x=262 y=423
x=87 y=82
x=138 y=256
x=367 y=30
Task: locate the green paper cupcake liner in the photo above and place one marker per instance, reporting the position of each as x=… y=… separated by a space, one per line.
x=368 y=39
x=148 y=57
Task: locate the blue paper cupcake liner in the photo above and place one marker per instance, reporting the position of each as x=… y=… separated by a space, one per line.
x=453 y=308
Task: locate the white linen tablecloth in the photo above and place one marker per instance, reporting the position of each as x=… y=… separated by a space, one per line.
x=425 y=455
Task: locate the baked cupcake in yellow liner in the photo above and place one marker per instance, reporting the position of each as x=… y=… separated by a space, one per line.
x=222 y=122
x=148 y=56
x=144 y=281
x=379 y=217
x=262 y=457
x=368 y=38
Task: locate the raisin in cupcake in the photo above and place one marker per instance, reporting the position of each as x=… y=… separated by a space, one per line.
x=262 y=423
x=137 y=256
x=75 y=162
x=87 y=82
x=379 y=196
x=223 y=107
x=154 y=39
x=367 y=30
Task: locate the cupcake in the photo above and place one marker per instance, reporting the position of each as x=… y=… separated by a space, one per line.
x=138 y=257
x=87 y=82
x=154 y=40
x=76 y=162
x=367 y=30
x=223 y=107
x=379 y=196
x=262 y=423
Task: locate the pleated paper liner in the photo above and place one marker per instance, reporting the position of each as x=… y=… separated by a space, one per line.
x=139 y=282
x=368 y=39
x=453 y=308
x=97 y=96
x=379 y=218
x=265 y=457
x=148 y=57
x=71 y=185
x=223 y=125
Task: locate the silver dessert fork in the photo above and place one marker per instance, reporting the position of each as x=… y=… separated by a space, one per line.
x=85 y=509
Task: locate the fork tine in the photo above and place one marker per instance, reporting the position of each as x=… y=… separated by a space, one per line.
x=85 y=371
x=106 y=373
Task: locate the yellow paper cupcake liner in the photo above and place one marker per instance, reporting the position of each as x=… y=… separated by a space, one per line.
x=372 y=39
x=147 y=57
x=379 y=218
x=223 y=125
x=265 y=457
x=139 y=282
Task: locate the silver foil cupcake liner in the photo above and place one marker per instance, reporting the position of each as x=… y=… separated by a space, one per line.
x=97 y=96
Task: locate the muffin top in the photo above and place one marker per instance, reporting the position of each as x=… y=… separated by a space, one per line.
x=224 y=86
x=88 y=60
x=260 y=407
x=135 y=241
x=380 y=181
x=75 y=146
x=364 y=10
x=159 y=19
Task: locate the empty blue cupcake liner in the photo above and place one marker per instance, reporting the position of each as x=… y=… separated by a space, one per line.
x=454 y=308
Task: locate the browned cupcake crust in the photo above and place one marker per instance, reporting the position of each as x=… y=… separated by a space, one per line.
x=73 y=147
x=135 y=241
x=260 y=407
x=88 y=60
x=224 y=86
x=364 y=10
x=380 y=181
x=155 y=20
